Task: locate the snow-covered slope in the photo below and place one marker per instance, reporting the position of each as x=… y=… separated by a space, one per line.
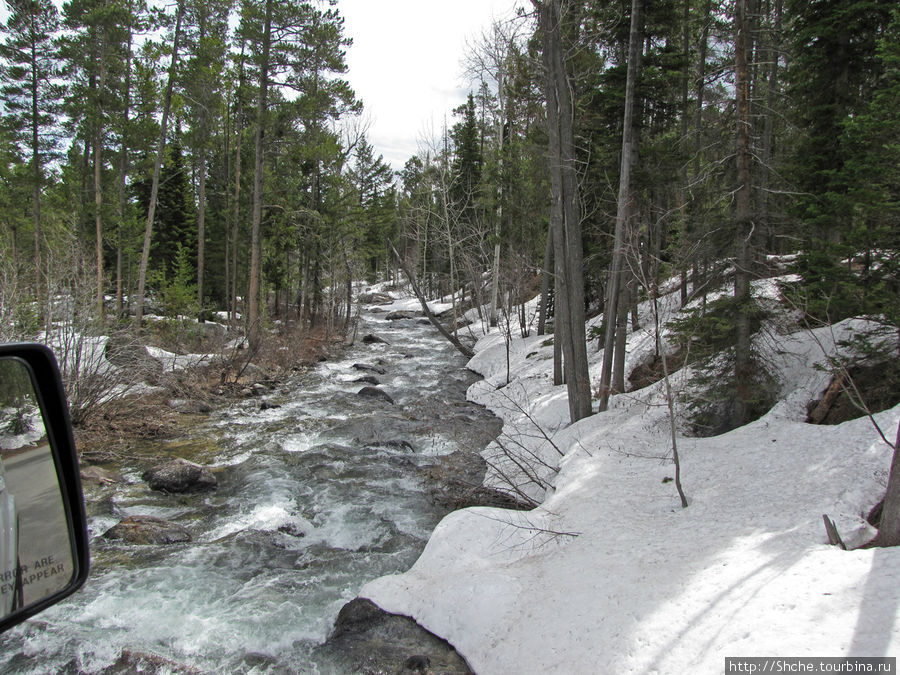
x=611 y=575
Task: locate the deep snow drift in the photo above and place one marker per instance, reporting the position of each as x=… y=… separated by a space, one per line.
x=611 y=575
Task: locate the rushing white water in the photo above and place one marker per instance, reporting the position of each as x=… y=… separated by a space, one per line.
x=316 y=496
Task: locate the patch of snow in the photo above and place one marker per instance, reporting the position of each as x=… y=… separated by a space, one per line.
x=610 y=575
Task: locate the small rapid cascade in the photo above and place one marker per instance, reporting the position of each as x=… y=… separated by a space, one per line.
x=320 y=490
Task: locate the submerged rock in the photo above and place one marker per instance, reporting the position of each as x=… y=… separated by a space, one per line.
x=375 y=392
x=368 y=368
x=368 y=379
x=402 y=314
x=373 y=340
x=180 y=475
x=148 y=530
x=368 y=639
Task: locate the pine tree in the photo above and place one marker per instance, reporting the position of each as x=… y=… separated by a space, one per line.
x=94 y=47
x=467 y=162
x=206 y=37
x=31 y=97
x=833 y=69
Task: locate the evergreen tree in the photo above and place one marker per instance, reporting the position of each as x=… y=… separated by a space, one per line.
x=206 y=37
x=467 y=161
x=372 y=179
x=31 y=97
x=175 y=223
x=94 y=47
x=833 y=70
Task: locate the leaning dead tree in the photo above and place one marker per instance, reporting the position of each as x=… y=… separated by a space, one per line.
x=411 y=277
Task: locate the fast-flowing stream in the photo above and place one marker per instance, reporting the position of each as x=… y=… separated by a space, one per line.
x=320 y=490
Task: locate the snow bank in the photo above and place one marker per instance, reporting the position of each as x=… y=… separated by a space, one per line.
x=610 y=575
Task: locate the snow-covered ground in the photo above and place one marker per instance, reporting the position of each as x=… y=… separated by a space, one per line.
x=611 y=575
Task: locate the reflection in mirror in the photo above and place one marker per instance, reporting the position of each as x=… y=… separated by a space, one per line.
x=35 y=547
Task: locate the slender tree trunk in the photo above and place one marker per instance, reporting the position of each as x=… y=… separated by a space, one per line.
x=259 y=167
x=98 y=175
x=617 y=269
x=201 y=230
x=765 y=152
x=154 y=188
x=546 y=279
x=411 y=277
x=123 y=179
x=743 y=216
x=235 y=233
x=495 y=275
x=565 y=214
x=36 y=166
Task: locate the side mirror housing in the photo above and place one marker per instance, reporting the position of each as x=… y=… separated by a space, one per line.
x=43 y=528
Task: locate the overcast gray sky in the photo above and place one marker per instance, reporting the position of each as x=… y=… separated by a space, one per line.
x=406 y=64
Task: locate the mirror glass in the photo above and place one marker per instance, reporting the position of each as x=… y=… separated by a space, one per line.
x=35 y=546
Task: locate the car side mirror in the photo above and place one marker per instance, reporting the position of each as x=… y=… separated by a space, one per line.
x=43 y=529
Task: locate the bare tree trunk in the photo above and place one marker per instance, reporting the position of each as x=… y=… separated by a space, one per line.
x=253 y=314
x=154 y=189
x=123 y=180
x=36 y=167
x=743 y=216
x=235 y=233
x=411 y=277
x=546 y=278
x=201 y=230
x=98 y=173
x=622 y=209
x=889 y=528
x=565 y=213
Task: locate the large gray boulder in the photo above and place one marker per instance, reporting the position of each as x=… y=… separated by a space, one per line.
x=148 y=530
x=366 y=639
x=180 y=475
x=375 y=392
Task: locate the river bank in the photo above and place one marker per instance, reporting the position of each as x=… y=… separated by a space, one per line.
x=319 y=490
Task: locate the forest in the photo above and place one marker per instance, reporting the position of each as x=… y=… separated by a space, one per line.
x=206 y=159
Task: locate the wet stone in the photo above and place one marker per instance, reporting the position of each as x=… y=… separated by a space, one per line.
x=375 y=392
x=402 y=314
x=368 y=368
x=368 y=639
x=367 y=379
x=180 y=475
x=148 y=530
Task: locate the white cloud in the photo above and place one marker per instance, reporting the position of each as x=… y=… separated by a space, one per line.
x=406 y=63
